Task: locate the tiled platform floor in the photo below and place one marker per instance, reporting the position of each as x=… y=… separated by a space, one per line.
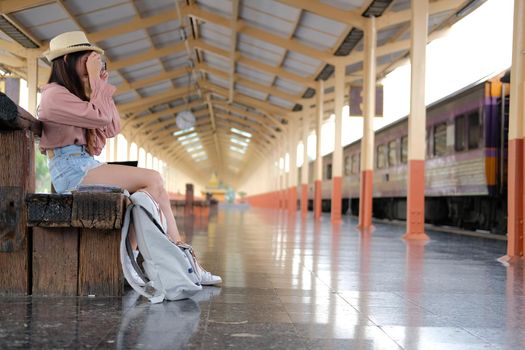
x=293 y=284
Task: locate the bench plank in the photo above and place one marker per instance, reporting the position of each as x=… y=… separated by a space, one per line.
x=81 y=209
x=49 y=210
x=99 y=263
x=55 y=261
x=98 y=210
x=17 y=159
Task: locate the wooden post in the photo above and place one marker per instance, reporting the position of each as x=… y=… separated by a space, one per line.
x=188 y=206
x=367 y=142
x=416 y=125
x=17 y=178
x=337 y=156
x=292 y=173
x=516 y=240
x=304 y=168
x=318 y=167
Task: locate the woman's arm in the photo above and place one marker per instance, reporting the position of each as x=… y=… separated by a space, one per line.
x=61 y=106
x=114 y=127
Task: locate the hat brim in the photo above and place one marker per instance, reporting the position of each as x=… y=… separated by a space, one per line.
x=51 y=55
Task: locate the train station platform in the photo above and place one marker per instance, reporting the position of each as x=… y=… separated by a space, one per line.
x=291 y=283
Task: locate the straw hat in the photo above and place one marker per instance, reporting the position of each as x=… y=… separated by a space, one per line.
x=69 y=42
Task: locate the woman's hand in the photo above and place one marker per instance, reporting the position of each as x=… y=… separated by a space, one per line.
x=93 y=65
x=104 y=75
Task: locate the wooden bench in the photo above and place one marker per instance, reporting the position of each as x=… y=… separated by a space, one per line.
x=76 y=240
x=52 y=244
x=191 y=207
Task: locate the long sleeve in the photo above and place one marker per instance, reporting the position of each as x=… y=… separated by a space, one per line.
x=113 y=128
x=67 y=119
x=61 y=106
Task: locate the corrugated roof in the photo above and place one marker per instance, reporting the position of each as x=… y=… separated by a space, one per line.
x=252 y=60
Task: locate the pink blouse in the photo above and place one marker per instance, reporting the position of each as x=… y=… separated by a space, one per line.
x=65 y=117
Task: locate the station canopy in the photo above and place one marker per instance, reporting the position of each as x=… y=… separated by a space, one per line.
x=233 y=71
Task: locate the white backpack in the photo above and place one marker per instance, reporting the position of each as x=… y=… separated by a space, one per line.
x=171 y=271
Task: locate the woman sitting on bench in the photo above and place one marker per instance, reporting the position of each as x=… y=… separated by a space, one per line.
x=78 y=114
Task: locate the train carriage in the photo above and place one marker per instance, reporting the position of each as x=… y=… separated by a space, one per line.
x=464 y=169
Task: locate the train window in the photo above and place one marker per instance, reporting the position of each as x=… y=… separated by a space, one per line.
x=329 y=171
x=355 y=164
x=348 y=166
x=473 y=130
x=381 y=157
x=392 y=153
x=459 y=133
x=440 y=139
x=404 y=149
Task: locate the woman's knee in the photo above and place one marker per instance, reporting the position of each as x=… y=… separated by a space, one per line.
x=155 y=183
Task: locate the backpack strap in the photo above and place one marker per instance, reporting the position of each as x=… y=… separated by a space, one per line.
x=125 y=250
x=150 y=216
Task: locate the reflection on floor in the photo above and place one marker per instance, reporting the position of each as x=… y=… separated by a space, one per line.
x=291 y=283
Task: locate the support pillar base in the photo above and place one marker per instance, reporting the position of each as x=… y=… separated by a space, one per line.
x=365 y=199
x=317 y=199
x=337 y=197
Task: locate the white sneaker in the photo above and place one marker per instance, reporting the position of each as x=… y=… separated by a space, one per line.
x=209 y=279
x=134 y=275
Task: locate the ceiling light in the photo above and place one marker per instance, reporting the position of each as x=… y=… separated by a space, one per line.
x=183 y=131
x=240 y=132
x=238 y=150
x=197 y=155
x=187 y=137
x=238 y=142
x=188 y=142
x=194 y=148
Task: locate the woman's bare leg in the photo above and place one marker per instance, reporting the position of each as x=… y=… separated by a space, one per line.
x=134 y=179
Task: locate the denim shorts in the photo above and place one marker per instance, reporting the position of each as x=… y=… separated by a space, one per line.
x=69 y=166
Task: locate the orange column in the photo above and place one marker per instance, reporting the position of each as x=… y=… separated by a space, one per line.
x=515 y=236
x=337 y=155
x=276 y=174
x=416 y=125
x=282 y=176
x=304 y=168
x=318 y=167
x=367 y=142
x=292 y=180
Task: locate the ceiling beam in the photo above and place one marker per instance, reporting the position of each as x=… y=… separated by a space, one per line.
x=261 y=119
x=172 y=74
x=144 y=103
x=249 y=101
x=146 y=120
x=351 y=18
x=248 y=83
x=392 y=18
x=205 y=133
x=136 y=23
x=213 y=128
x=233 y=46
x=162 y=133
x=221 y=119
x=263 y=67
x=146 y=56
x=256 y=130
x=195 y=11
x=9 y=6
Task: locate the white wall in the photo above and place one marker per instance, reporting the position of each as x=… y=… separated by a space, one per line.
x=175 y=180
x=261 y=179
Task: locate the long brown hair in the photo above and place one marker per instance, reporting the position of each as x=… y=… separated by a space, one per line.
x=63 y=72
